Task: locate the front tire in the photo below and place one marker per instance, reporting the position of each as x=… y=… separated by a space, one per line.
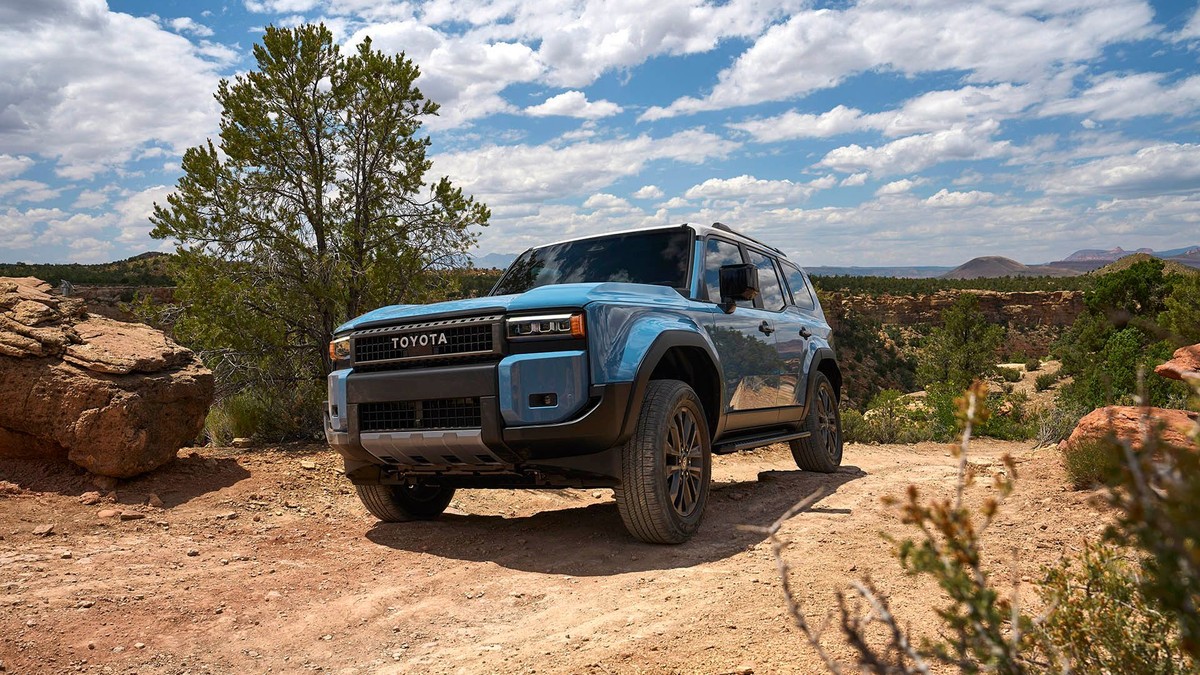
x=666 y=466
x=822 y=450
x=398 y=503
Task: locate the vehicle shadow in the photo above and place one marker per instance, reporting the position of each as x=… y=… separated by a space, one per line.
x=592 y=541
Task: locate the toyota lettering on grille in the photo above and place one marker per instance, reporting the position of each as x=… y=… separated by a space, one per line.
x=419 y=345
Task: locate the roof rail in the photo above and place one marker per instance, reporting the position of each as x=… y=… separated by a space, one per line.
x=725 y=228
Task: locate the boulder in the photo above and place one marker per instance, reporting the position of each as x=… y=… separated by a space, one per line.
x=116 y=398
x=1184 y=364
x=1125 y=423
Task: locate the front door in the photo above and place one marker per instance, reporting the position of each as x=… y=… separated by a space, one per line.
x=745 y=339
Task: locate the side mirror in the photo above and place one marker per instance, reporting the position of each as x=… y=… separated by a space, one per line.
x=738 y=282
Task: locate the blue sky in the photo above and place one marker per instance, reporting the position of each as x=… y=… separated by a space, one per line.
x=877 y=132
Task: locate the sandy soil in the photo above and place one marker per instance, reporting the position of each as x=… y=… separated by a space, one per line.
x=263 y=561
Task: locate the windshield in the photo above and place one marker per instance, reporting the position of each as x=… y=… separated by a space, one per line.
x=657 y=257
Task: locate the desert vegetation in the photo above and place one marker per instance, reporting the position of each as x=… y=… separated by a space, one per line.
x=1125 y=603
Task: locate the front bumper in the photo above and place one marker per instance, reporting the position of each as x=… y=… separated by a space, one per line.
x=505 y=449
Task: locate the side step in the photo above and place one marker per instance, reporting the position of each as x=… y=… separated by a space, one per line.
x=758 y=441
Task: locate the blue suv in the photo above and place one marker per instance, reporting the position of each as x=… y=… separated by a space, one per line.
x=622 y=361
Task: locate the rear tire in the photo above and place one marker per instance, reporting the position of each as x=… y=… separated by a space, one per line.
x=398 y=503
x=822 y=450
x=666 y=466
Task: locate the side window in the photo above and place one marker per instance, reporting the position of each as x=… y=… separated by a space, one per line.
x=801 y=293
x=716 y=254
x=768 y=279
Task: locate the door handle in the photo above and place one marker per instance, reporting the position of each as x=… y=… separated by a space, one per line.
x=765 y=327
x=805 y=332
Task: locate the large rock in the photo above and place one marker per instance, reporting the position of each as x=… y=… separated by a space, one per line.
x=116 y=398
x=1184 y=364
x=1125 y=422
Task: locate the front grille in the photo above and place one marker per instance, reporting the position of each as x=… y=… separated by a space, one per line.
x=472 y=337
x=442 y=413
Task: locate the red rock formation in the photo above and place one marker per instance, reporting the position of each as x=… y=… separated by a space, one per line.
x=1184 y=364
x=115 y=398
x=1125 y=423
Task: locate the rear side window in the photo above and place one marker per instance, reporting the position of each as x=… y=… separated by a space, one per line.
x=801 y=293
x=768 y=280
x=717 y=253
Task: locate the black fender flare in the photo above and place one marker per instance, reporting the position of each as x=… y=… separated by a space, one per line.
x=822 y=355
x=666 y=341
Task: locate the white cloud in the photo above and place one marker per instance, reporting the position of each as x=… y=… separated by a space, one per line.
x=914 y=153
x=818 y=49
x=573 y=104
x=537 y=173
x=90 y=250
x=91 y=88
x=1114 y=96
x=855 y=179
x=186 y=24
x=748 y=189
x=897 y=187
x=792 y=125
x=27 y=191
x=603 y=200
x=90 y=199
x=946 y=198
x=1191 y=30
x=280 y=6
x=462 y=74
x=10 y=166
x=1172 y=168
x=648 y=192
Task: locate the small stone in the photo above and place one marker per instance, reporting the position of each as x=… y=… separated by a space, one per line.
x=154 y=501
x=91 y=645
x=139 y=645
x=107 y=513
x=132 y=515
x=242 y=443
x=84 y=604
x=89 y=498
x=597 y=494
x=118 y=649
x=192 y=553
x=308 y=465
x=66 y=555
x=219 y=610
x=44 y=530
x=31 y=623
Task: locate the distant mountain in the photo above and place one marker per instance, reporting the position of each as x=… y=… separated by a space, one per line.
x=494 y=260
x=1089 y=254
x=993 y=266
x=895 y=272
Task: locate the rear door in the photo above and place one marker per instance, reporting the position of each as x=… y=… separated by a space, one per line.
x=803 y=322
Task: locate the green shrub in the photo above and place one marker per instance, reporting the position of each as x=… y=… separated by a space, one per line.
x=1056 y=421
x=1045 y=381
x=1091 y=463
x=265 y=413
x=854 y=427
x=1032 y=365
x=1123 y=630
x=1008 y=374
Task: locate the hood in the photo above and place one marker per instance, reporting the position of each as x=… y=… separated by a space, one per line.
x=562 y=296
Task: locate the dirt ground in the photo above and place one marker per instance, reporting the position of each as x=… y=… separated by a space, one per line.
x=263 y=561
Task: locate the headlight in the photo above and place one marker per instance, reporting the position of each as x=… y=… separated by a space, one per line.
x=339 y=350
x=549 y=326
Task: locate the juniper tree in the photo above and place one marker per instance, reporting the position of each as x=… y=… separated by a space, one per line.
x=312 y=206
